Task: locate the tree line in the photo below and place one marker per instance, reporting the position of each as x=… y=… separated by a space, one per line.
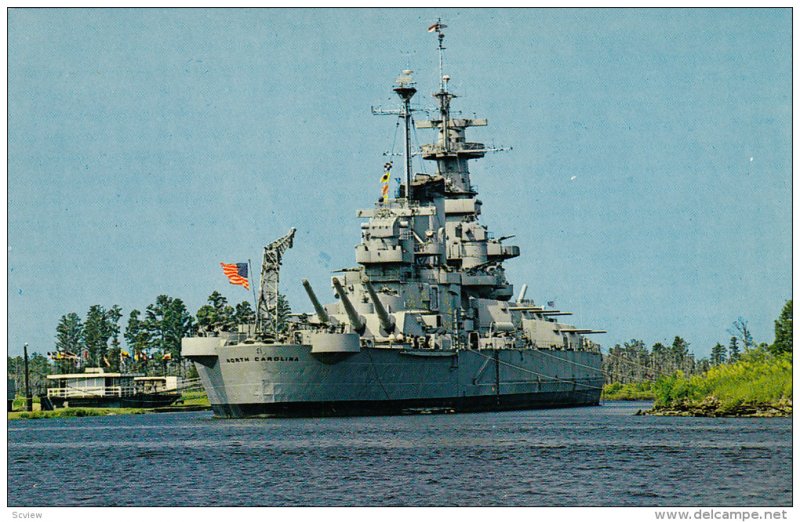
x=152 y=335
x=152 y=338
x=634 y=362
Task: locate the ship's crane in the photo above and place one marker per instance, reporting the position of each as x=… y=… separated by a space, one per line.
x=270 y=277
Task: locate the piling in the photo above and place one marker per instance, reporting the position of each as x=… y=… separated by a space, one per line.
x=28 y=396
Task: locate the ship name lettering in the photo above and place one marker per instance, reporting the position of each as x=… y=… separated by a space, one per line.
x=275 y=358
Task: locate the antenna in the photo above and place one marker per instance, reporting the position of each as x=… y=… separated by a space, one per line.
x=443 y=95
x=437 y=27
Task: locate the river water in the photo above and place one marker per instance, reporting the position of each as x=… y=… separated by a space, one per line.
x=599 y=456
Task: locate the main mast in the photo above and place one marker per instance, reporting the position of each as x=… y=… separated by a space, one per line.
x=443 y=96
x=451 y=151
x=405 y=90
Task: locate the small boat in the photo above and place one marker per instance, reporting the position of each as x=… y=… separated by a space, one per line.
x=100 y=389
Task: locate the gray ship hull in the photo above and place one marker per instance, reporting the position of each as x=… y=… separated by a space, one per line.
x=289 y=380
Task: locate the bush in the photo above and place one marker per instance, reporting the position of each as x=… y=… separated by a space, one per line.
x=758 y=377
x=636 y=391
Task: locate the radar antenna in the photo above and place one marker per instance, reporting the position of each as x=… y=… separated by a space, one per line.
x=270 y=276
x=442 y=94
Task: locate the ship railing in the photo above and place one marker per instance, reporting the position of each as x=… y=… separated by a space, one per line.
x=190 y=384
x=436 y=148
x=90 y=391
x=398 y=203
x=388 y=278
x=430 y=148
x=154 y=388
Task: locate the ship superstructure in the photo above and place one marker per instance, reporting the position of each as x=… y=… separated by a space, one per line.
x=427 y=320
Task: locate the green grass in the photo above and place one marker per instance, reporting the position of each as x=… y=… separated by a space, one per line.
x=190 y=398
x=633 y=391
x=63 y=413
x=195 y=398
x=757 y=379
x=19 y=402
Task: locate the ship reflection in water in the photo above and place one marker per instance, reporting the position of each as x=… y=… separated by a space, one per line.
x=602 y=456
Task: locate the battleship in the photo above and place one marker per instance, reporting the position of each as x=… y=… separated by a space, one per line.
x=427 y=321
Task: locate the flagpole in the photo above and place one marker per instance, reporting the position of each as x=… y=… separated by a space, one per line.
x=255 y=302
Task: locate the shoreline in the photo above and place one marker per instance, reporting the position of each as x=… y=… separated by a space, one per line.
x=712 y=407
x=71 y=413
x=627 y=398
x=709 y=407
x=191 y=401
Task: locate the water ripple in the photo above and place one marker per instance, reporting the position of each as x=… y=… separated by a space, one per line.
x=588 y=456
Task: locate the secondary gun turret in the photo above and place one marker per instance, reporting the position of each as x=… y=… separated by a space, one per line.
x=356 y=321
x=387 y=321
x=321 y=313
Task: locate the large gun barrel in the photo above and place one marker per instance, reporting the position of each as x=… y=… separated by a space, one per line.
x=355 y=320
x=321 y=313
x=522 y=293
x=387 y=321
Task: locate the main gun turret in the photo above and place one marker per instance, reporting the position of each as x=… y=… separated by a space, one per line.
x=356 y=321
x=321 y=313
x=387 y=321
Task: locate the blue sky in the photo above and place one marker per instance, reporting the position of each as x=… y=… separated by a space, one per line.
x=147 y=146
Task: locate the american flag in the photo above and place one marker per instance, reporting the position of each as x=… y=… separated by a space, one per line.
x=237 y=273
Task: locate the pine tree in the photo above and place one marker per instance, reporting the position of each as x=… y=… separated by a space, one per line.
x=167 y=321
x=137 y=337
x=113 y=316
x=154 y=322
x=718 y=354
x=783 y=331
x=244 y=313
x=733 y=349
x=69 y=341
x=95 y=335
x=179 y=323
x=284 y=310
x=217 y=315
x=661 y=360
x=678 y=353
x=69 y=334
